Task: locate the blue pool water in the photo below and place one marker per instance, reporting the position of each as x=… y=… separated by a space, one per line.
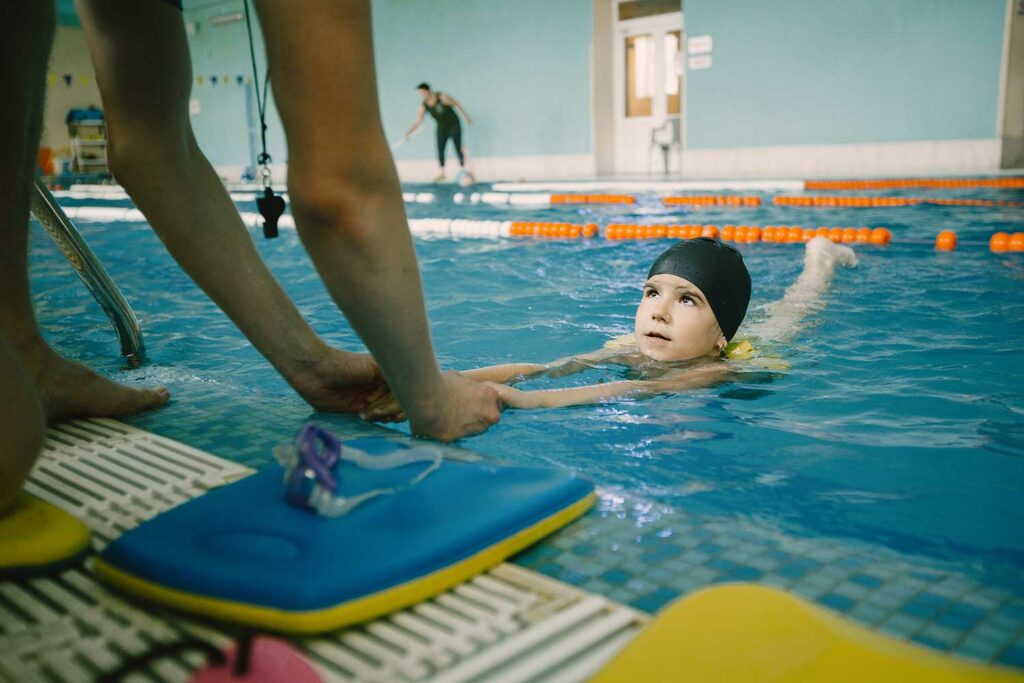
x=897 y=434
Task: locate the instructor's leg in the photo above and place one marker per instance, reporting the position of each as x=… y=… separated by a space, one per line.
x=21 y=425
x=143 y=68
x=65 y=388
x=348 y=205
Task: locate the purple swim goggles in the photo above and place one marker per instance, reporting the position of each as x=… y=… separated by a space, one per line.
x=318 y=452
x=312 y=468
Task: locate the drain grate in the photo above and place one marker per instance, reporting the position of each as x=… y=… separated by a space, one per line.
x=507 y=625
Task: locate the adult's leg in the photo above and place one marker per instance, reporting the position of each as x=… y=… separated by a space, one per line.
x=21 y=425
x=348 y=205
x=442 y=142
x=144 y=73
x=66 y=389
x=457 y=141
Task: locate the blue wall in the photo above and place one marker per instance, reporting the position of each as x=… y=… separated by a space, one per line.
x=815 y=72
x=521 y=68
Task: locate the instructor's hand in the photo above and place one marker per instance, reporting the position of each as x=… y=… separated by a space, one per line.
x=464 y=408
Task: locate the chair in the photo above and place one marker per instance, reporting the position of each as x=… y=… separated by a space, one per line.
x=667 y=137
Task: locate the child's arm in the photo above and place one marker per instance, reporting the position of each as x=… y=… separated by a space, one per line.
x=694 y=378
x=803 y=297
x=511 y=372
x=516 y=372
x=382 y=407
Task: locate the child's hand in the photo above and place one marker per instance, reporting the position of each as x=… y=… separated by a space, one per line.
x=823 y=252
x=516 y=398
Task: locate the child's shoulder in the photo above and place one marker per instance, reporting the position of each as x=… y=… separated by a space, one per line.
x=626 y=342
x=740 y=349
x=744 y=349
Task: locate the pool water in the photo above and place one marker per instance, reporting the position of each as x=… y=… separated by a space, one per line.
x=880 y=475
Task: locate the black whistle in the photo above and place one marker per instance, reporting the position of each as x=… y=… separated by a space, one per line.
x=270 y=207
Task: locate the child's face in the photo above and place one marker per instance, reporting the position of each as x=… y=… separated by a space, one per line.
x=675 y=322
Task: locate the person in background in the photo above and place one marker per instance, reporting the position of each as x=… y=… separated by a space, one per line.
x=442 y=108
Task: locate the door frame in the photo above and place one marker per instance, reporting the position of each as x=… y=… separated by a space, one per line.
x=620 y=31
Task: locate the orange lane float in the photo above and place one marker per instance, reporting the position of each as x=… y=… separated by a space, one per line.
x=880 y=236
x=844 y=201
x=971 y=202
x=593 y=199
x=874 y=202
x=902 y=183
x=946 y=241
x=714 y=200
x=746 y=234
x=551 y=230
x=999 y=242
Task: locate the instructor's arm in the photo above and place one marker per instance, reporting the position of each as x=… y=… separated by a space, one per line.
x=348 y=206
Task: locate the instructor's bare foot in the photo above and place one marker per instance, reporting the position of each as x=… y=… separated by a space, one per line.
x=68 y=389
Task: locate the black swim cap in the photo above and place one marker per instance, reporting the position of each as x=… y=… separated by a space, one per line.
x=718 y=271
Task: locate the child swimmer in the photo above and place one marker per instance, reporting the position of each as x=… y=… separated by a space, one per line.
x=693 y=302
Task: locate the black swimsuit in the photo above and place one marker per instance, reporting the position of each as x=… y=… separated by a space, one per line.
x=448 y=126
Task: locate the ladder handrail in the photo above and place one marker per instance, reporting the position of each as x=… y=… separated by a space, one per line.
x=67 y=238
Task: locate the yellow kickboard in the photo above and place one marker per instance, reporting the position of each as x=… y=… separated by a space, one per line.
x=745 y=633
x=36 y=536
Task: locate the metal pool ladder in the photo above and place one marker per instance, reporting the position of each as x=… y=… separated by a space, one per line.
x=67 y=238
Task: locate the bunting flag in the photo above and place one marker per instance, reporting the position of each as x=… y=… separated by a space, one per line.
x=88 y=78
x=70 y=79
x=223 y=79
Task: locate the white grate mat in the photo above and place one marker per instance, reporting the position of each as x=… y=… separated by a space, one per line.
x=507 y=625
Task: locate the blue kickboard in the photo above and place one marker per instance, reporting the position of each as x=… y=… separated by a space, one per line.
x=244 y=543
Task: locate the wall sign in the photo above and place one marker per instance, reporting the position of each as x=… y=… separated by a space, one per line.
x=698 y=62
x=699 y=45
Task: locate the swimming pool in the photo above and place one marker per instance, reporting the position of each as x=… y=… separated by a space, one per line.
x=881 y=475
